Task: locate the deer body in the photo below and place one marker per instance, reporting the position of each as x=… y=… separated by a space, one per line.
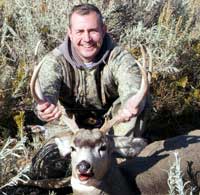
x=149 y=170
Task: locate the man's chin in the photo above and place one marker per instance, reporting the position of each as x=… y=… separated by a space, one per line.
x=88 y=56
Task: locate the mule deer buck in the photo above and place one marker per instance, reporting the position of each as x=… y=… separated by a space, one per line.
x=93 y=166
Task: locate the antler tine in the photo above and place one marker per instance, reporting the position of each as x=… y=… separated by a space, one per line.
x=39 y=97
x=143 y=49
x=139 y=96
x=136 y=98
x=108 y=124
x=150 y=69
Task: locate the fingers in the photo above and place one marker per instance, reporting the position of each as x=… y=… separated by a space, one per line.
x=48 y=112
x=42 y=106
x=127 y=113
x=129 y=110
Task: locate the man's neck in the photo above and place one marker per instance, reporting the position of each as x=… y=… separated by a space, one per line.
x=89 y=64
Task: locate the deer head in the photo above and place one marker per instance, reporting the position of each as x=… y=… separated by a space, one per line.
x=91 y=154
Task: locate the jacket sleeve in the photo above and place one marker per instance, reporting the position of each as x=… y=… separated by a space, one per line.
x=50 y=78
x=125 y=73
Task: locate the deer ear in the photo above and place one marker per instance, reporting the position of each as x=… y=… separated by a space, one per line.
x=128 y=147
x=63 y=146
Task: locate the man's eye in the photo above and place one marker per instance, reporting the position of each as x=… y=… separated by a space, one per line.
x=79 y=32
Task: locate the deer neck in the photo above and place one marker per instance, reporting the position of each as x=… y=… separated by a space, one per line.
x=91 y=187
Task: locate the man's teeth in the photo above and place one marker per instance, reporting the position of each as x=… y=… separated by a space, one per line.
x=87 y=46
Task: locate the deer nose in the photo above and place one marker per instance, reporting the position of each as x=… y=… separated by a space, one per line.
x=83 y=166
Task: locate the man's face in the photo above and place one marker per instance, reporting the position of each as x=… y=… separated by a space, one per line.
x=86 y=34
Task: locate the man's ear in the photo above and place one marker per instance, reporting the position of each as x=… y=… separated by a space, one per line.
x=128 y=147
x=63 y=146
x=104 y=29
x=69 y=32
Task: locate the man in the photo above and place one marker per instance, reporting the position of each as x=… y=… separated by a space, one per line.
x=91 y=76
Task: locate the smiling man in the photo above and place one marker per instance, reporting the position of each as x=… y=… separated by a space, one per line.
x=91 y=76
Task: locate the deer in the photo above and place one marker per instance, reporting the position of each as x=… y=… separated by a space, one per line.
x=94 y=168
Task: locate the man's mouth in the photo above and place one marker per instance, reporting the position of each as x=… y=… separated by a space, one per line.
x=88 y=47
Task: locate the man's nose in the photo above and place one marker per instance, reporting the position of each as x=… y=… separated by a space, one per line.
x=86 y=36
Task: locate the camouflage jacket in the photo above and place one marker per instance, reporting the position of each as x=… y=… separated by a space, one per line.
x=82 y=90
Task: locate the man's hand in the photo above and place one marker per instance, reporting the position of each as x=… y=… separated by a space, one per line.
x=47 y=111
x=127 y=112
x=130 y=110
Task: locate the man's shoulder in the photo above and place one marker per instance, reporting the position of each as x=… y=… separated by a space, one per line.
x=118 y=52
x=53 y=54
x=117 y=48
x=54 y=57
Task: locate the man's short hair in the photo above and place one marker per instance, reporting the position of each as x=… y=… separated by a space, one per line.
x=85 y=9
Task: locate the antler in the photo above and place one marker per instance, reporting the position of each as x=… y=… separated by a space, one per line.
x=140 y=94
x=39 y=98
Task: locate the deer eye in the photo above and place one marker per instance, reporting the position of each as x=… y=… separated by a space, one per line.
x=103 y=148
x=73 y=149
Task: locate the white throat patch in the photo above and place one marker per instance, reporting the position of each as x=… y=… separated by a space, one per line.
x=86 y=186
